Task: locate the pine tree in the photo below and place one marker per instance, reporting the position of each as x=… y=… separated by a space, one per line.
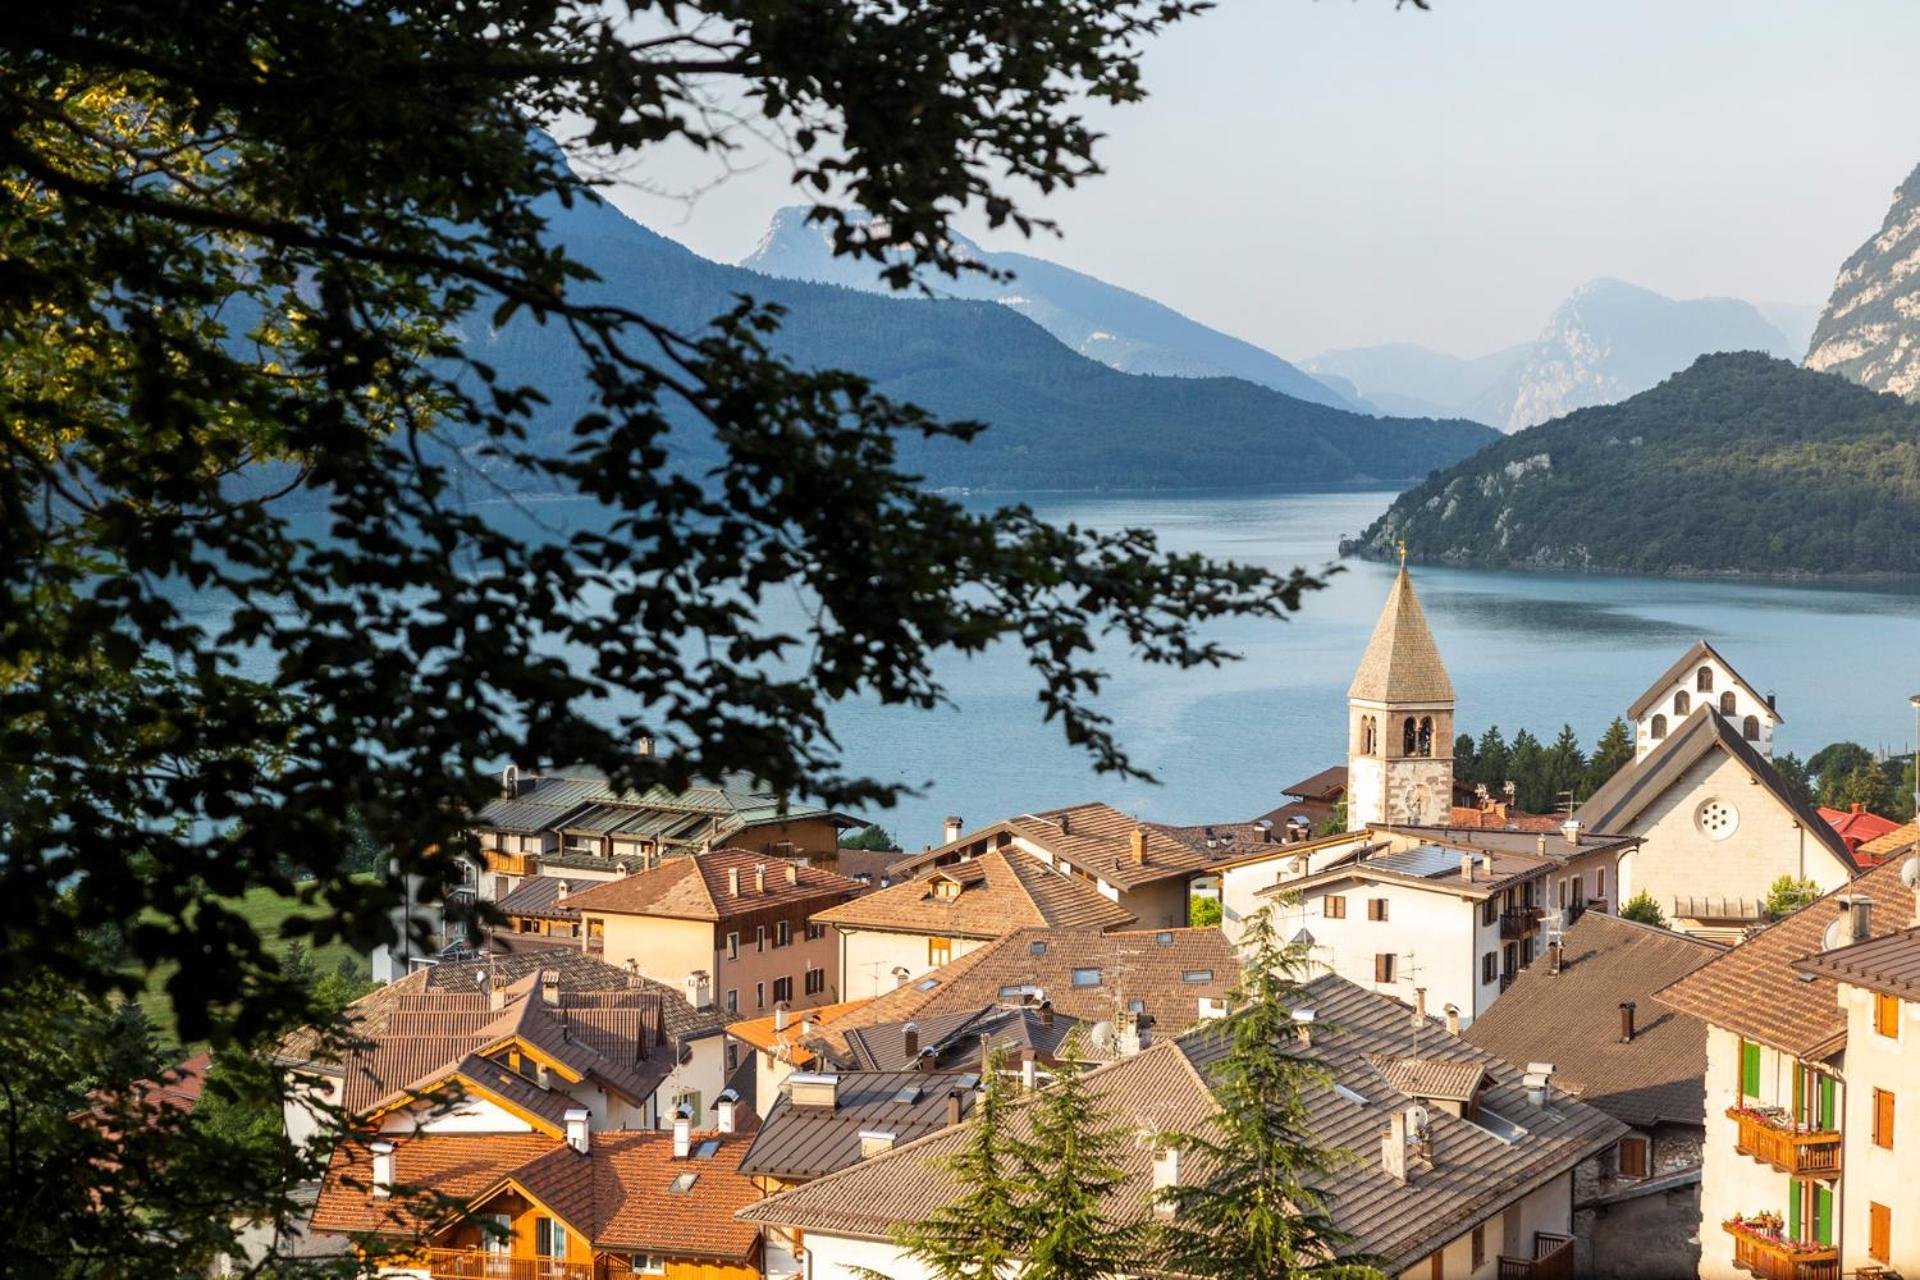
x=1466 y=768
x=1563 y=770
x=1493 y=762
x=1795 y=775
x=1067 y=1170
x=1254 y=1213
x=1526 y=769
x=1867 y=786
x=1611 y=754
x=132 y=1047
x=981 y=1235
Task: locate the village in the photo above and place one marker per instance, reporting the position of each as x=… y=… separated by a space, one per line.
x=704 y=1041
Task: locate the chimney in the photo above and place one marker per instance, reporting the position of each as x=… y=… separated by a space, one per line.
x=1419 y=1006
x=1452 y=1011
x=1553 y=959
x=1137 y=847
x=780 y=1008
x=550 y=986
x=682 y=1132
x=874 y=1141
x=1626 y=1021
x=382 y=1153
x=1486 y=865
x=1393 y=1147
x=733 y=882
x=726 y=1102
x=760 y=877
x=699 y=989
x=814 y=1089
x=900 y=975
x=953 y=828
x=910 y=1040
x=793 y=873
x=1540 y=843
x=1128 y=1025
x=1166 y=1176
x=496 y=996
x=644 y=747
x=1860 y=908
x=1539 y=1076
x=576 y=1118
x=954 y=1104
x=924 y=1060
x=806 y=1026
x=1046 y=1013
x=1466 y=867
x=1066 y=824
x=541 y=1076
x=1571 y=830
x=1029 y=1070
x=1303 y=1025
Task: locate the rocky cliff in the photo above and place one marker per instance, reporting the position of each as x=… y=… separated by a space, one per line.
x=1870 y=331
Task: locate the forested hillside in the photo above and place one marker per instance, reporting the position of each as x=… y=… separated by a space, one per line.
x=1741 y=464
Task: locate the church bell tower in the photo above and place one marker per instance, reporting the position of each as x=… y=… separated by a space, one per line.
x=1400 y=721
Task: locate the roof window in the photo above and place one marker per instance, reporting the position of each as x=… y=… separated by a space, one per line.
x=1086 y=977
x=681 y=1185
x=1038 y=948
x=1163 y=939
x=1197 y=975
x=926 y=984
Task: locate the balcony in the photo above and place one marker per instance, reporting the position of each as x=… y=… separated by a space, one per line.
x=1770 y=1136
x=1759 y=1248
x=1520 y=922
x=1552 y=1260
x=479 y=1264
x=503 y=863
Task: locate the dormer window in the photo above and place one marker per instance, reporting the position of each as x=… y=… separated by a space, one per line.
x=946 y=890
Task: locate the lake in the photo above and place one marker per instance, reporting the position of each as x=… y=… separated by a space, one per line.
x=1524 y=650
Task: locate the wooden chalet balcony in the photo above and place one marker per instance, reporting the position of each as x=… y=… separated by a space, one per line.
x=507 y=864
x=1519 y=922
x=478 y=1264
x=1552 y=1260
x=1760 y=1252
x=1801 y=1153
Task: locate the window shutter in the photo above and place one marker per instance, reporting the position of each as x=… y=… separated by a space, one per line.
x=1828 y=1091
x=1749 y=1069
x=1823 y=1214
x=1880 y=1232
x=1883 y=1119
x=1633 y=1157
x=1383 y=967
x=1793 y=1208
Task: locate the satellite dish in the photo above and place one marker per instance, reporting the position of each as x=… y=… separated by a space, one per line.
x=1910 y=873
x=1417 y=1118
x=510 y=780
x=1839 y=933
x=1101 y=1034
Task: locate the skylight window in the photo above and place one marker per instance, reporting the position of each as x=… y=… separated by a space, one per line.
x=1037 y=948
x=683 y=1184
x=1136 y=1006
x=1086 y=977
x=1197 y=975
x=1013 y=992
x=1163 y=939
x=1349 y=1094
x=1499 y=1126
x=926 y=984
x=706 y=1149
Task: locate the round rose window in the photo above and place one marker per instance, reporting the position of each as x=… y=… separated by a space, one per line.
x=1716 y=819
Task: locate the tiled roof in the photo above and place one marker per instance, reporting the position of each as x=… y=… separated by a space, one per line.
x=1756 y=990
x=617 y=1195
x=760 y=1033
x=1094 y=838
x=1001 y=891
x=1474 y=1175
x=1328 y=785
x=1501 y=818
x=1890 y=964
x=1901 y=837
x=1429 y=866
x=698 y=887
x=810 y=1142
x=1683 y=667
x=1440 y=1079
x=1628 y=793
x=1402 y=663
x=958 y=1039
x=1527 y=842
x=1856 y=826
x=1572 y=1019
x=1085 y=973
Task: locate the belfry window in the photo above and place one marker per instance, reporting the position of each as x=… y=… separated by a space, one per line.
x=1703 y=680
x=1681 y=705
x=1409 y=737
x=1659 y=727
x=1426 y=735
x=1369 y=736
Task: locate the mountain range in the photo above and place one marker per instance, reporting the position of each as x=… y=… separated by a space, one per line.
x=1057 y=419
x=1117 y=327
x=1607 y=341
x=1870 y=330
x=1740 y=464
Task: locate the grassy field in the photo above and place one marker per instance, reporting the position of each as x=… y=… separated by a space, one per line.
x=266 y=911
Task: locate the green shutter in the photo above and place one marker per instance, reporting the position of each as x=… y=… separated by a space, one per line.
x=1827 y=1091
x=1823 y=1214
x=1793 y=1208
x=1749 y=1069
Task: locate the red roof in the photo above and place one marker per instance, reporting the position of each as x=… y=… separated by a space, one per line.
x=1856 y=826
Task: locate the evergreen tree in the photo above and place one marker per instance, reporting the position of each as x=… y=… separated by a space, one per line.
x=981 y=1235
x=1866 y=786
x=1831 y=765
x=1611 y=754
x=1254 y=1213
x=297 y=967
x=132 y=1047
x=1067 y=1170
x=1643 y=908
x=1563 y=770
x=1336 y=820
x=1466 y=768
x=875 y=838
x=1526 y=769
x=1795 y=775
x=1493 y=763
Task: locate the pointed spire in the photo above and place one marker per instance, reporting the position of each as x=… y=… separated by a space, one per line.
x=1402 y=663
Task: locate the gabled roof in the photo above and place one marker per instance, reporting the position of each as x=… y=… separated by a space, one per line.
x=1327 y=786
x=1688 y=661
x=1898 y=840
x=962 y=1041
x=1756 y=989
x=457 y=1166
x=1095 y=838
x=700 y=888
x=1430 y=1078
x=999 y=892
x=1429 y=867
x=810 y=1142
x=1856 y=826
x=1626 y=795
x=1889 y=965
x=1572 y=1019
x=1168 y=972
x=1474 y=1176
x=785 y=1045
x=579 y=797
x=1402 y=663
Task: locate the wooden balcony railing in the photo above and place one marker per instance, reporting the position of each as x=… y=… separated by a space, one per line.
x=1519 y=922
x=1763 y=1255
x=1552 y=1260
x=478 y=1264
x=1800 y=1153
x=507 y=864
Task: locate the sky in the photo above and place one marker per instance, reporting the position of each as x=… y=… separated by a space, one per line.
x=1316 y=174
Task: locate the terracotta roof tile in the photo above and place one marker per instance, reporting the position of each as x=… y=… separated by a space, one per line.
x=1442 y=1079
x=999 y=892
x=1756 y=991
x=1094 y=838
x=699 y=887
x=455 y=1165
x=810 y=1142
x=632 y=1174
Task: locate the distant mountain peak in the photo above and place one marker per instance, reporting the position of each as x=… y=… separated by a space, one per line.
x=1870 y=330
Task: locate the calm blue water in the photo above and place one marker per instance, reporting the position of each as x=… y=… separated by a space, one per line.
x=1524 y=650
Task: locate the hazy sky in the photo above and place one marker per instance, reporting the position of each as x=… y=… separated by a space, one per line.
x=1310 y=174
